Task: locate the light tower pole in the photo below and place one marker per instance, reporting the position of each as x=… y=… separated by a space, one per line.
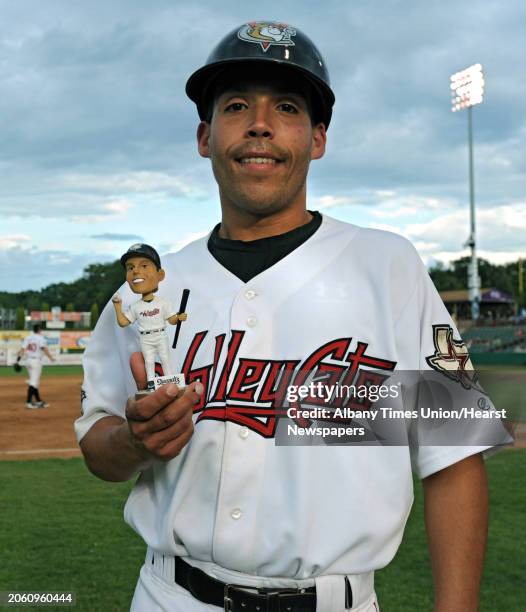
x=467 y=89
x=520 y=282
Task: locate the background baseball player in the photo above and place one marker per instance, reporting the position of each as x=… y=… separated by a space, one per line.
x=34 y=347
x=232 y=519
x=151 y=313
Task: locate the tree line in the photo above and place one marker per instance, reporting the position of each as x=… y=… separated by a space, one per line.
x=89 y=293
x=504 y=277
x=100 y=281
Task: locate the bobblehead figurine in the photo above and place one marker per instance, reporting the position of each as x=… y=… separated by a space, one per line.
x=151 y=313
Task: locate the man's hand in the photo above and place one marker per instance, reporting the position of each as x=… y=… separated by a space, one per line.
x=116 y=299
x=160 y=424
x=157 y=427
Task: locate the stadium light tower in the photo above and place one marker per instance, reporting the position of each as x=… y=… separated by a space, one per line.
x=467 y=89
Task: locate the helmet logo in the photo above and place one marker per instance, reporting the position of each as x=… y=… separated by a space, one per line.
x=267 y=33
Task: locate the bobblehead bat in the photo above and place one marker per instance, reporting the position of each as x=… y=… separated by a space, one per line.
x=182 y=308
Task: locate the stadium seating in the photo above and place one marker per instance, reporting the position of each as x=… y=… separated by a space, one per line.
x=494 y=339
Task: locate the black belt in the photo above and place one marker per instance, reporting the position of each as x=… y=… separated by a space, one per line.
x=152 y=331
x=234 y=598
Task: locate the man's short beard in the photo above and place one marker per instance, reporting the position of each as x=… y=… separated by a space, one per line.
x=260 y=207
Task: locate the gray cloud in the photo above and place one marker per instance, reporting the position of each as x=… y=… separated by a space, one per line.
x=35 y=269
x=93 y=105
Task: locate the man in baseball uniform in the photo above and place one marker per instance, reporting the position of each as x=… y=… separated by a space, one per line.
x=151 y=313
x=235 y=515
x=34 y=347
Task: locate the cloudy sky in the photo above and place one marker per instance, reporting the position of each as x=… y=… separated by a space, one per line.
x=97 y=139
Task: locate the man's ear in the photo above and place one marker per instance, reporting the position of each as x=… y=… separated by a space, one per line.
x=203 y=136
x=319 y=140
x=162 y=274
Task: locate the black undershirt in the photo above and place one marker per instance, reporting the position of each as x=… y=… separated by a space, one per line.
x=248 y=259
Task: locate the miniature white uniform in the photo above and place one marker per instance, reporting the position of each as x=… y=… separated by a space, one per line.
x=151 y=322
x=34 y=345
x=234 y=503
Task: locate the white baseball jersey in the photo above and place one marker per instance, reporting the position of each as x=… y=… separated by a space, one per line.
x=34 y=345
x=346 y=298
x=150 y=315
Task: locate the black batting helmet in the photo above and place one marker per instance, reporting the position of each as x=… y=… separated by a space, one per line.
x=136 y=250
x=272 y=43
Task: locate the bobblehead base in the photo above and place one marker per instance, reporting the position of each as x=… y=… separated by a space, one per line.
x=159 y=381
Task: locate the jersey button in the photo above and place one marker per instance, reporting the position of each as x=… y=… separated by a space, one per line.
x=250 y=294
x=252 y=321
x=243 y=433
x=236 y=514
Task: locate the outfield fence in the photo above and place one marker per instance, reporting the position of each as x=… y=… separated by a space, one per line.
x=66 y=347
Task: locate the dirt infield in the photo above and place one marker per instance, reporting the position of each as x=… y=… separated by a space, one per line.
x=36 y=434
x=45 y=433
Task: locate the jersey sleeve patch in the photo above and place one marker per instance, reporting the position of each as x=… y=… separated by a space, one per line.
x=451 y=357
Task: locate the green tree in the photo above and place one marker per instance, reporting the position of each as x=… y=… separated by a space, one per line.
x=94 y=315
x=70 y=307
x=445 y=279
x=44 y=307
x=20 y=318
x=455 y=276
x=97 y=284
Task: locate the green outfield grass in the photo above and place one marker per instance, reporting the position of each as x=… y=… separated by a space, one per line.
x=49 y=370
x=406 y=584
x=62 y=529
x=506 y=386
